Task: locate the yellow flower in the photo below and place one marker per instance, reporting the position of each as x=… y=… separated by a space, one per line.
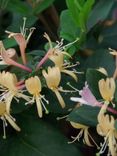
x=106 y=129
x=84 y=129
x=53 y=78
x=56 y=55
x=33 y=85
x=107 y=89
x=8 y=83
x=7 y=117
x=58 y=58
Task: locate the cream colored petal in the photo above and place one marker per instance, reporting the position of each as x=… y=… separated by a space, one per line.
x=86 y=137
x=53 y=77
x=39 y=107
x=100 y=131
x=112 y=144
x=8 y=101
x=57 y=58
x=103 y=90
x=103 y=70
x=61 y=101
x=33 y=85
x=78 y=125
x=101 y=113
x=49 y=78
x=12 y=122
x=70 y=73
x=2 y=108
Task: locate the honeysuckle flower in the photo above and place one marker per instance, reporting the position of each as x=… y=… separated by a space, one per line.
x=86 y=98
x=7 y=117
x=21 y=39
x=53 y=78
x=33 y=85
x=106 y=129
x=84 y=130
x=103 y=70
x=8 y=82
x=107 y=89
x=58 y=58
x=56 y=54
x=8 y=60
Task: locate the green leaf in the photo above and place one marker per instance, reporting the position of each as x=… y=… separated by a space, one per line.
x=19 y=7
x=100 y=58
x=108 y=36
x=42 y=6
x=79 y=11
x=37 y=138
x=92 y=77
x=86 y=115
x=68 y=30
x=99 y=12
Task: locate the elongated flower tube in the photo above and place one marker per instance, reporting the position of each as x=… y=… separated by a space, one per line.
x=107 y=89
x=7 y=117
x=9 y=90
x=87 y=98
x=106 y=129
x=56 y=54
x=21 y=39
x=53 y=78
x=8 y=60
x=33 y=85
x=84 y=130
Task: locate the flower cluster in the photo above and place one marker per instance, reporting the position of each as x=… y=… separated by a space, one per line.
x=29 y=87
x=106 y=123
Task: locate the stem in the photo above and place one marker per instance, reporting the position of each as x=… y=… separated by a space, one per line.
x=108 y=108
x=44 y=59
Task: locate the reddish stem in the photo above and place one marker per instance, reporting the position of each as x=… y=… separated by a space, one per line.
x=44 y=59
x=108 y=108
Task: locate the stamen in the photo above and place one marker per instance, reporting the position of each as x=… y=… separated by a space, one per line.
x=63 y=117
x=77 y=137
x=4 y=127
x=31 y=32
x=66 y=91
x=68 y=83
x=59 y=44
x=23 y=27
x=48 y=38
x=103 y=146
x=46 y=111
x=75 y=71
x=69 y=44
x=43 y=97
x=70 y=66
x=93 y=141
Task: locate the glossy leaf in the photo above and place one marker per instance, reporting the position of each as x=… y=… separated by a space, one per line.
x=37 y=138
x=99 y=12
x=86 y=115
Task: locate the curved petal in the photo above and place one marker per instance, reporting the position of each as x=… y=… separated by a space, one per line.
x=12 y=123
x=61 y=101
x=39 y=107
x=8 y=101
x=70 y=73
